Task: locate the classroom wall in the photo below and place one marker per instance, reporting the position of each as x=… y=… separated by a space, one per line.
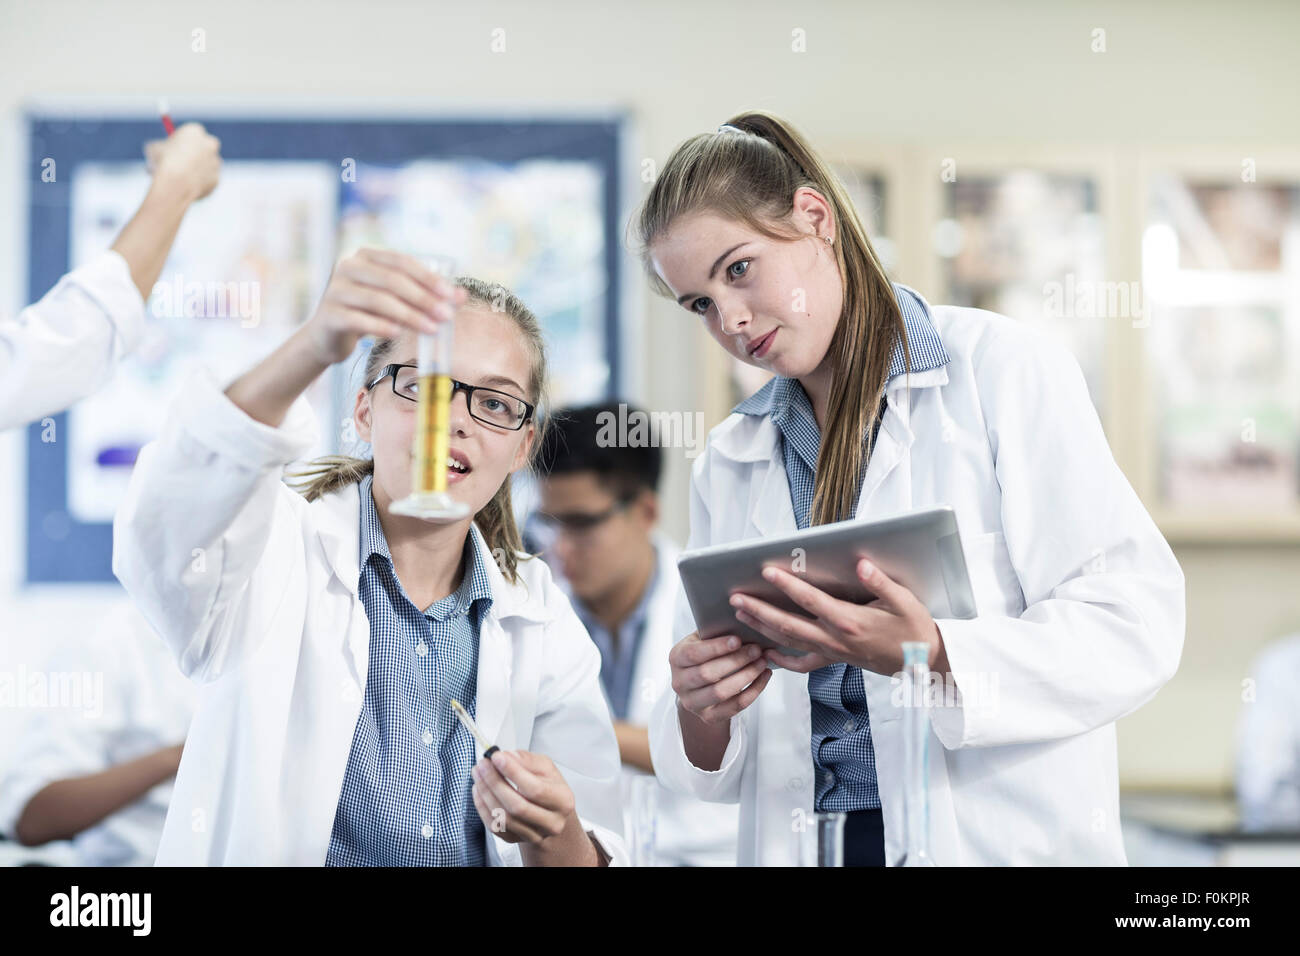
x=905 y=72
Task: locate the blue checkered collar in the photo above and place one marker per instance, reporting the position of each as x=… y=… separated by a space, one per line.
x=475 y=586
x=782 y=397
x=336 y=517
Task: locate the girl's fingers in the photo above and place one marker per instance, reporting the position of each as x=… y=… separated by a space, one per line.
x=784 y=628
x=692 y=651
x=895 y=596
x=518 y=808
x=402 y=285
x=484 y=813
x=497 y=819
x=412 y=266
x=533 y=787
x=800 y=665
x=730 y=708
x=382 y=304
x=525 y=782
x=715 y=670
x=724 y=689
x=813 y=600
x=363 y=323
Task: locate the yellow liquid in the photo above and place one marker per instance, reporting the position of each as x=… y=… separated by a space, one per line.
x=432 y=433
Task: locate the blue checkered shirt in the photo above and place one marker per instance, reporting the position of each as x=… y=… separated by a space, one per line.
x=842 y=752
x=406 y=793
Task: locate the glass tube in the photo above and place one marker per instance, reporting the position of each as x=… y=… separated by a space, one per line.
x=429 y=498
x=644 y=820
x=916 y=738
x=821 y=842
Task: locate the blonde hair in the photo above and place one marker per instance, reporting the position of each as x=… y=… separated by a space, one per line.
x=750 y=175
x=496 y=519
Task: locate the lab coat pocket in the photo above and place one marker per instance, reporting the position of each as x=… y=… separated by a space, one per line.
x=884 y=696
x=993 y=577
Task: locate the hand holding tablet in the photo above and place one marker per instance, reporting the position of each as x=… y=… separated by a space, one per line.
x=850 y=591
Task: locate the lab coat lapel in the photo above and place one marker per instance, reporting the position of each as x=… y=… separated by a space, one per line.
x=495 y=660
x=492 y=705
x=338 y=527
x=884 y=493
x=657 y=637
x=756 y=446
x=770 y=511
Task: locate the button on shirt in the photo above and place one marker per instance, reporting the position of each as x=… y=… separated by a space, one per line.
x=618 y=653
x=406 y=798
x=842 y=751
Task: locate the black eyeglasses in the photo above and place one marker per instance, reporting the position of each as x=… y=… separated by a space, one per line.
x=579 y=523
x=486 y=405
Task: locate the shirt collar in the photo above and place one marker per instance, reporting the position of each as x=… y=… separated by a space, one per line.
x=372 y=532
x=475 y=586
x=784 y=396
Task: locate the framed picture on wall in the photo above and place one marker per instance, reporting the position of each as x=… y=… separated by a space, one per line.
x=1221 y=270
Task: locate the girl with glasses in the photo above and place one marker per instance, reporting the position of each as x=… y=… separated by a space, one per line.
x=330 y=635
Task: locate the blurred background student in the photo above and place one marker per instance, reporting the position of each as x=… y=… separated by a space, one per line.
x=67 y=345
x=96 y=760
x=597 y=527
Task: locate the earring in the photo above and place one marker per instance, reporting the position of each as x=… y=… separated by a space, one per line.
x=828 y=239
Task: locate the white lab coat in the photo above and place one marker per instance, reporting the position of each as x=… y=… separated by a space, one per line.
x=255 y=591
x=688 y=830
x=1081 y=610
x=69 y=343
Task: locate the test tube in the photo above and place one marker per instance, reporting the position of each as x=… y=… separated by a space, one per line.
x=429 y=498
x=821 y=840
x=916 y=736
x=644 y=820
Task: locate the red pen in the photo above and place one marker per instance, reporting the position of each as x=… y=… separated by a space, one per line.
x=165 y=114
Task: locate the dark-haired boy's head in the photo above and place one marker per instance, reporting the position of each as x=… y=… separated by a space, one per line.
x=598 y=475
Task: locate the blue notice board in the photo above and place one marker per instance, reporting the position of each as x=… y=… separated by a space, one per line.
x=63 y=549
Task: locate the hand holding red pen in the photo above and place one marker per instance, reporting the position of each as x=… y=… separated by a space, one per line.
x=188 y=160
x=522 y=798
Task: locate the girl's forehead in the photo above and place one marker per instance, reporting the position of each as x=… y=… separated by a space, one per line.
x=707 y=226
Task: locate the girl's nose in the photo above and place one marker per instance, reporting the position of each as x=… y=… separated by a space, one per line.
x=734 y=319
x=459 y=418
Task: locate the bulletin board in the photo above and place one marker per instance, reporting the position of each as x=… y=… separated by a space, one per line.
x=532 y=204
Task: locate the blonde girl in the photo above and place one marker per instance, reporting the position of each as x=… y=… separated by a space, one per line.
x=329 y=635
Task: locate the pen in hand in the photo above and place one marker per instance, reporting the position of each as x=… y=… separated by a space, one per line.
x=468 y=721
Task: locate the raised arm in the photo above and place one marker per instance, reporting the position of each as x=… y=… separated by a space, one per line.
x=67 y=345
x=187 y=166
x=206 y=504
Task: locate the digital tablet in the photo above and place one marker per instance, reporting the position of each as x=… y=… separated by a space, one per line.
x=920 y=549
